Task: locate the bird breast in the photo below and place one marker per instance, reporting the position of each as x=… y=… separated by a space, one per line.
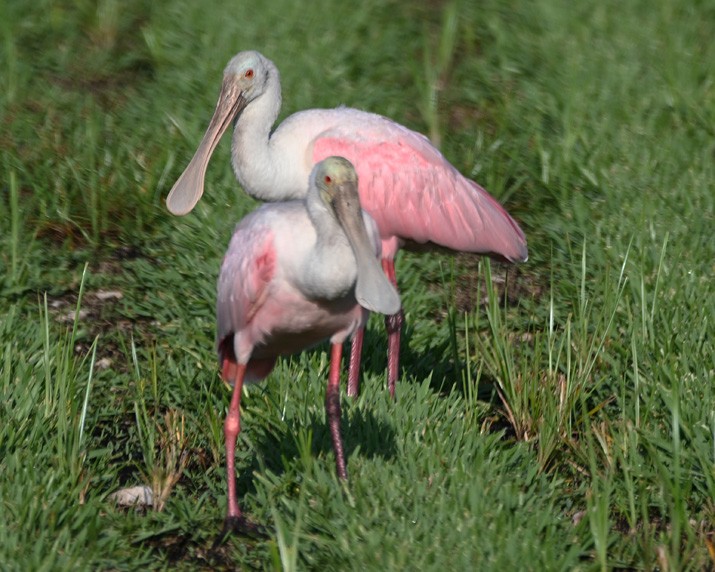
x=320 y=268
x=308 y=323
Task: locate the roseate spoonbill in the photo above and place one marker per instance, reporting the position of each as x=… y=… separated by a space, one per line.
x=417 y=198
x=297 y=273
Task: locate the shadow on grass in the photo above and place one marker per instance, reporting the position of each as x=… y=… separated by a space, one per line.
x=435 y=361
x=364 y=434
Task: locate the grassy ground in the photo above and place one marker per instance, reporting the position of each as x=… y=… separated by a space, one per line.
x=556 y=416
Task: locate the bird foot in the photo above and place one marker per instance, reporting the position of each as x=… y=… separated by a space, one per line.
x=242 y=526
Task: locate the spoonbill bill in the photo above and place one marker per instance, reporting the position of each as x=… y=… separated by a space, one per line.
x=417 y=198
x=297 y=273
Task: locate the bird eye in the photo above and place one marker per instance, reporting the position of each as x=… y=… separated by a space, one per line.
x=328 y=180
x=249 y=73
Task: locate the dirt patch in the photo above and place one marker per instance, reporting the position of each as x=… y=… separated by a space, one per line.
x=99 y=314
x=511 y=283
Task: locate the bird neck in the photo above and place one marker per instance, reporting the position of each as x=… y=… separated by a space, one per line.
x=256 y=165
x=331 y=262
x=329 y=233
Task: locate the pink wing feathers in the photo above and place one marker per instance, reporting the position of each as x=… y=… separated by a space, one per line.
x=246 y=272
x=414 y=193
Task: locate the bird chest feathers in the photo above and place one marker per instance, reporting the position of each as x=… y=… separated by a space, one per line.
x=322 y=269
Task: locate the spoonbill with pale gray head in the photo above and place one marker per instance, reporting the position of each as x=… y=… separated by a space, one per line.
x=297 y=273
x=417 y=198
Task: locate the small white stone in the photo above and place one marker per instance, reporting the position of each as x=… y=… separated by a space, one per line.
x=70 y=317
x=108 y=295
x=133 y=496
x=103 y=363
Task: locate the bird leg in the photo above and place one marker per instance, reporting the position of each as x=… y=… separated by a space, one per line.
x=235 y=521
x=354 y=367
x=394 y=328
x=393 y=324
x=332 y=409
x=231 y=429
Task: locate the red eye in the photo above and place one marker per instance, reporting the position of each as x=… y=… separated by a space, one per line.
x=328 y=180
x=248 y=74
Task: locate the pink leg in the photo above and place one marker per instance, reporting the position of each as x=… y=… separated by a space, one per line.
x=394 y=327
x=354 y=368
x=332 y=409
x=231 y=429
x=235 y=521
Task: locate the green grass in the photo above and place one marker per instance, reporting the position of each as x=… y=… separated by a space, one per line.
x=555 y=416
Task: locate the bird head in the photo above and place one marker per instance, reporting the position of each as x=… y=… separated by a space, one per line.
x=245 y=76
x=336 y=183
x=244 y=79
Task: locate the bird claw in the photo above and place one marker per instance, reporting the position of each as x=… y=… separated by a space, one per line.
x=240 y=525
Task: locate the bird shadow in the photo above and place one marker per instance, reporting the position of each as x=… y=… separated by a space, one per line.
x=363 y=433
x=438 y=362
x=435 y=361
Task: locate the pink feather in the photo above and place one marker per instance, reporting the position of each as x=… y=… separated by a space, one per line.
x=415 y=194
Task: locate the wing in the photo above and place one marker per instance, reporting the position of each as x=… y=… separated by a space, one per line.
x=246 y=272
x=414 y=193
